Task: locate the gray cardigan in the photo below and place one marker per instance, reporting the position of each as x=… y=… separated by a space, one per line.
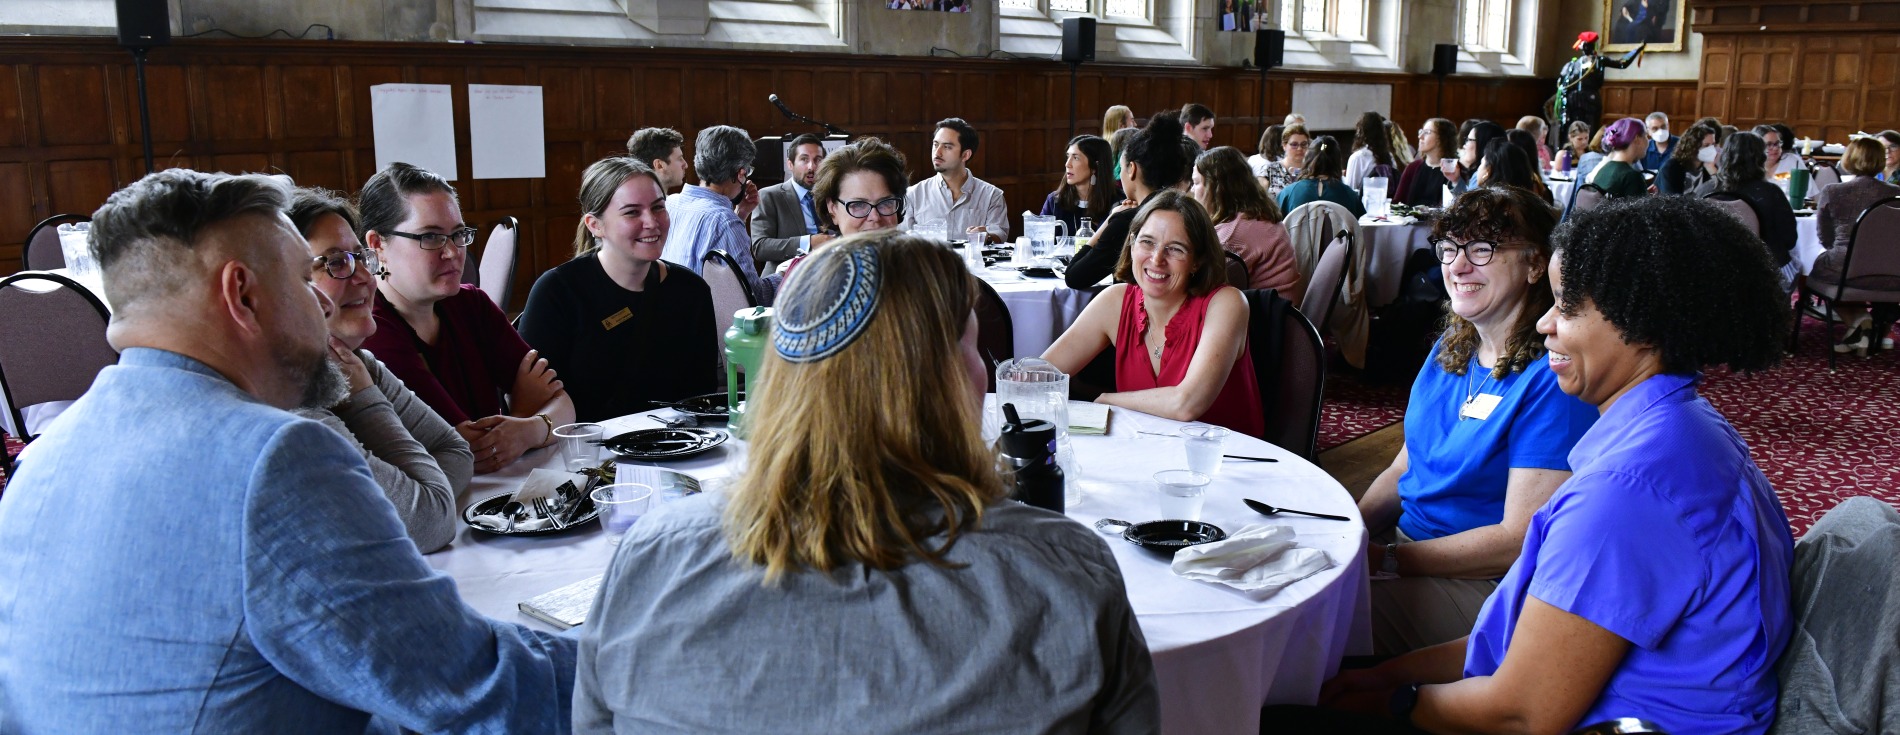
x=417 y=458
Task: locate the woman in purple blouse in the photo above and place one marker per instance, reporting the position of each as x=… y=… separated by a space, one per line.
x=1654 y=582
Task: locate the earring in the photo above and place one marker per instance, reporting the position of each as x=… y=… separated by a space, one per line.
x=381 y=272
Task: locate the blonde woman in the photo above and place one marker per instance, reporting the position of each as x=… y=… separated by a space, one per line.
x=1118 y=117
x=848 y=566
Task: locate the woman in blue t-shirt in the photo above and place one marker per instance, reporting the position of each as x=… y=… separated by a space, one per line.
x=1487 y=432
x=1654 y=583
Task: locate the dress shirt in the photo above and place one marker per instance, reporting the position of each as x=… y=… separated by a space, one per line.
x=980 y=204
x=1653 y=159
x=704 y=221
x=810 y=209
x=180 y=557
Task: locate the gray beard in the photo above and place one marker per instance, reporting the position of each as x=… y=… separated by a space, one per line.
x=325 y=387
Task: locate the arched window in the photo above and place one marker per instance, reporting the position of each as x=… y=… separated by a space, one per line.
x=1485 y=25
x=1336 y=18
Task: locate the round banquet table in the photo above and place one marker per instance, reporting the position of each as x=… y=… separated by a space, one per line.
x=1039 y=308
x=1218 y=655
x=1807 y=242
x=1391 y=242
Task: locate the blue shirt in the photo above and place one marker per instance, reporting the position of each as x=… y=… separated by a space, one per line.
x=1671 y=538
x=1457 y=470
x=1654 y=160
x=703 y=221
x=179 y=557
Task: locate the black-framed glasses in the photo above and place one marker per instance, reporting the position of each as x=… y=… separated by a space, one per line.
x=1477 y=252
x=435 y=240
x=888 y=206
x=342 y=265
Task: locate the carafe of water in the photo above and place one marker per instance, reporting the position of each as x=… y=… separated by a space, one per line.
x=1042 y=232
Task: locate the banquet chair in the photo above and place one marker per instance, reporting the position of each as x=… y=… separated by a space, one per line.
x=1585 y=198
x=52 y=342
x=1237 y=275
x=995 y=329
x=41 y=252
x=1290 y=387
x=1311 y=226
x=498 y=263
x=1876 y=240
x=1825 y=174
x=730 y=292
x=1735 y=205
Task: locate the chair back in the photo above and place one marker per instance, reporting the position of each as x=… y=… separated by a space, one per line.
x=1322 y=290
x=52 y=341
x=730 y=292
x=471 y=269
x=498 y=263
x=1825 y=174
x=1311 y=226
x=1291 y=389
x=1873 y=255
x=1586 y=198
x=1739 y=208
x=1237 y=275
x=995 y=329
x=42 y=251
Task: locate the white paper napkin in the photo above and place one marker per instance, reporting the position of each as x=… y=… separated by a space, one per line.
x=1258 y=560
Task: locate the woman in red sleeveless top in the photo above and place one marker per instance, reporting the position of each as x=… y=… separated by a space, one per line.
x=1179 y=332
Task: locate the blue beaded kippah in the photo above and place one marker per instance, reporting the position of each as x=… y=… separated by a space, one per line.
x=825 y=315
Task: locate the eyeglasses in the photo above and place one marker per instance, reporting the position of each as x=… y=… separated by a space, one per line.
x=342 y=265
x=1772 y=144
x=435 y=240
x=1477 y=252
x=1306 y=144
x=888 y=206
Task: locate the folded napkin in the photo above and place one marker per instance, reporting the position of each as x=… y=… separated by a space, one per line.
x=1391 y=220
x=1258 y=560
x=1088 y=419
x=542 y=483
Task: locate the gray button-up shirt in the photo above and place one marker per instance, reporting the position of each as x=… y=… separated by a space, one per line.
x=981 y=204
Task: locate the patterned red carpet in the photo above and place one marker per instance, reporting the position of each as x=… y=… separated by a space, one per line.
x=1820 y=436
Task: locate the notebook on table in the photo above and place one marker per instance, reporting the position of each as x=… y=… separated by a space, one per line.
x=565 y=607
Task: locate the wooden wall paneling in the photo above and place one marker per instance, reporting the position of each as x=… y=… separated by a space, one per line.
x=78 y=187
x=1879 y=101
x=80 y=114
x=17 y=213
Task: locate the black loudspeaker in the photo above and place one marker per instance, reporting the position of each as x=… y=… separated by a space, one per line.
x=1078 y=39
x=1445 y=59
x=1269 y=48
x=144 y=23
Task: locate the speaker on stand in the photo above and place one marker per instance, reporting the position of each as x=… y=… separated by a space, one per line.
x=1078 y=45
x=1444 y=63
x=144 y=25
x=1269 y=51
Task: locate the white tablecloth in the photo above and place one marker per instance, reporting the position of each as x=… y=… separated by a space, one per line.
x=1039 y=308
x=1560 y=188
x=1807 y=242
x=1218 y=655
x=1391 y=244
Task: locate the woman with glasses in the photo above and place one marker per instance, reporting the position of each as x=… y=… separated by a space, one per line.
x=624 y=328
x=1284 y=169
x=859 y=188
x=1178 y=330
x=1422 y=183
x=1778 y=145
x=447 y=341
x=1890 y=143
x=419 y=460
x=1487 y=431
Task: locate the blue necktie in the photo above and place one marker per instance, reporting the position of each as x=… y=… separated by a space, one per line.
x=811 y=214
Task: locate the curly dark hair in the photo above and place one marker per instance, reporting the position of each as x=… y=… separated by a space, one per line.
x=1500 y=215
x=1744 y=162
x=1370 y=133
x=1668 y=272
x=1690 y=145
x=1157 y=149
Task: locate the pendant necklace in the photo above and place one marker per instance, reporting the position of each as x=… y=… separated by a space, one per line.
x=1471 y=394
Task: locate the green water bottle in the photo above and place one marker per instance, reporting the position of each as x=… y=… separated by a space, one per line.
x=746 y=341
x=1798 y=187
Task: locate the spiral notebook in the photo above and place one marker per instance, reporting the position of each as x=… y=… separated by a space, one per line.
x=1088 y=419
x=565 y=607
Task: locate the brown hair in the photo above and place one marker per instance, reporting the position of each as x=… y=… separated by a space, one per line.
x=598 y=185
x=858 y=457
x=1230 y=190
x=1204 y=250
x=865 y=154
x=1324 y=160
x=1865 y=157
x=1499 y=215
x=1447 y=136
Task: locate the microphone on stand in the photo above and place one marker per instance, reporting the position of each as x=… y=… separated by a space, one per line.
x=829 y=128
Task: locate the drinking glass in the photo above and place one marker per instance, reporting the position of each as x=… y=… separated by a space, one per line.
x=579 y=447
x=1182 y=492
x=1204 y=447
x=620 y=505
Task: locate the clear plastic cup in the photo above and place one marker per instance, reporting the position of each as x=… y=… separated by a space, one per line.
x=1181 y=494
x=620 y=506
x=578 y=448
x=1203 y=443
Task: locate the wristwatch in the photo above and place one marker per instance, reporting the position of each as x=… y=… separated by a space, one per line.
x=1404 y=700
x=1391 y=563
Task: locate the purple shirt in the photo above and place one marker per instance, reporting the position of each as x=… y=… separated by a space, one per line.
x=1668 y=536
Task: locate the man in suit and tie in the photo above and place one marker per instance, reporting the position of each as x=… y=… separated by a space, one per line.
x=786 y=222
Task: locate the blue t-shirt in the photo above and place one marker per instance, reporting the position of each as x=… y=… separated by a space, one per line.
x=1671 y=538
x=1458 y=469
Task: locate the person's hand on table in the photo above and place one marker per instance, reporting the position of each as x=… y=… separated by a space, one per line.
x=497 y=441
x=352 y=365
x=981 y=232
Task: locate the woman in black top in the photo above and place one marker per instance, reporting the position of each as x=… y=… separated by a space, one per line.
x=1153 y=161
x=622 y=327
x=1686 y=168
x=1742 y=173
x=1088 y=186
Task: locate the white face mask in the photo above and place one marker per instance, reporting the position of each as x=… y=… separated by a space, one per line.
x=1660 y=135
x=1707 y=154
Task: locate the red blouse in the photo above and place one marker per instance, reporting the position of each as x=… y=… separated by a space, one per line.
x=1238 y=405
x=473 y=362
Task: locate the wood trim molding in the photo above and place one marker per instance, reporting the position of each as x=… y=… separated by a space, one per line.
x=1784 y=16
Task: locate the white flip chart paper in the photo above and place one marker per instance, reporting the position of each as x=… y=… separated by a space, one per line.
x=505 y=132
x=414 y=124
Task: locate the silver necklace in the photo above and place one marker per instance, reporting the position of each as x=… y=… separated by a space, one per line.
x=1471 y=394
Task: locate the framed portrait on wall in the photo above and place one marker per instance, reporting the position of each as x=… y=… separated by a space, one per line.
x=1631 y=23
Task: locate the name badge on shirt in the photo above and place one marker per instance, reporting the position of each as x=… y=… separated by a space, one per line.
x=625 y=313
x=1480 y=406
